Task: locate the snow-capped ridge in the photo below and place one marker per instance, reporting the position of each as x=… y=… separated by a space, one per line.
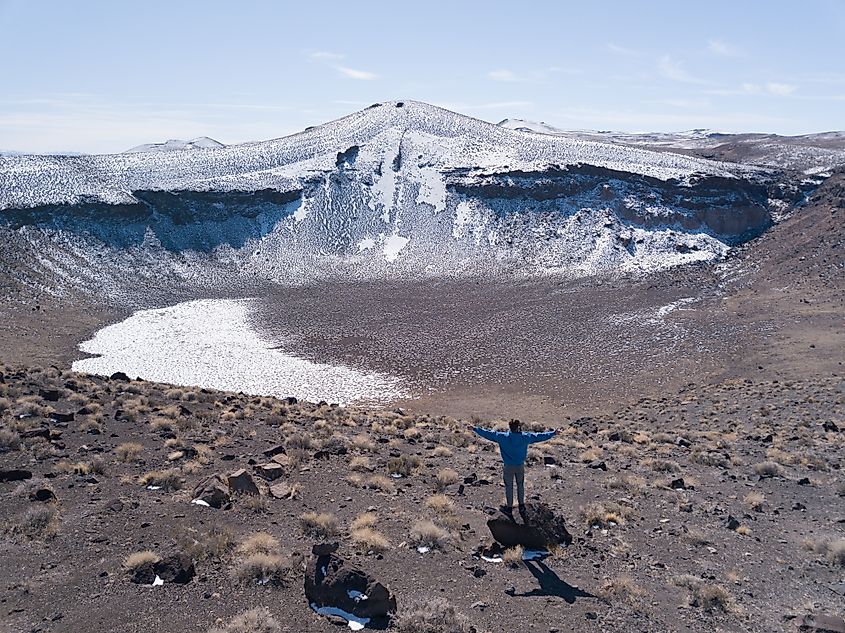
x=175 y=144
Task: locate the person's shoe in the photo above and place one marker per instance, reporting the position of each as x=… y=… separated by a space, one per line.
x=506 y=509
x=522 y=511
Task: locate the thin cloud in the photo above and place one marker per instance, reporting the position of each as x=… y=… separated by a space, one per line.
x=720 y=48
x=674 y=70
x=623 y=50
x=326 y=55
x=772 y=88
x=352 y=73
x=504 y=75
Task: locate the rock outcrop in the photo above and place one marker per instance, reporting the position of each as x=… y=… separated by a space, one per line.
x=538 y=527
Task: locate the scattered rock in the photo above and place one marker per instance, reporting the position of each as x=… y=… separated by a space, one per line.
x=42 y=431
x=119 y=375
x=539 y=528
x=549 y=460
x=57 y=416
x=213 y=491
x=274 y=450
x=50 y=395
x=804 y=481
x=242 y=482
x=14 y=474
x=270 y=471
x=597 y=465
x=282 y=460
x=822 y=624
x=678 y=484
x=144 y=574
x=731 y=523
x=282 y=491
x=42 y=494
x=830 y=426
x=330 y=583
x=177 y=568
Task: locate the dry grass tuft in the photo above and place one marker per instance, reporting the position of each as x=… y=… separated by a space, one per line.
x=213 y=542
x=129 y=451
x=40 y=523
x=381 y=483
x=441 y=504
x=167 y=480
x=442 y=451
x=370 y=539
x=259 y=543
x=426 y=533
x=446 y=477
x=768 y=469
x=603 y=515
x=364 y=520
x=710 y=598
x=257 y=620
x=404 y=465
x=755 y=500
x=360 y=463
x=262 y=569
x=322 y=525
x=138 y=559
x=513 y=556
x=622 y=588
x=434 y=615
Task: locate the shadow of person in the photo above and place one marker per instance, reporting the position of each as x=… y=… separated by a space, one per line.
x=550 y=585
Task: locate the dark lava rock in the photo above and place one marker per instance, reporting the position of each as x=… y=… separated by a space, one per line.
x=804 y=481
x=830 y=426
x=57 y=416
x=15 y=474
x=213 y=491
x=549 y=460
x=50 y=395
x=290 y=400
x=822 y=624
x=178 y=568
x=42 y=431
x=678 y=484
x=330 y=583
x=144 y=574
x=732 y=523
x=274 y=450
x=270 y=471
x=597 y=465
x=242 y=482
x=42 y=494
x=119 y=375
x=537 y=528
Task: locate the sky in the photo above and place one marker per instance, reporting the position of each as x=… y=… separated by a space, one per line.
x=103 y=76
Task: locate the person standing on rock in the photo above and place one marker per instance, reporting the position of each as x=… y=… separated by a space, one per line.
x=513 y=445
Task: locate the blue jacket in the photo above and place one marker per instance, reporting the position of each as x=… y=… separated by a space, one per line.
x=513 y=446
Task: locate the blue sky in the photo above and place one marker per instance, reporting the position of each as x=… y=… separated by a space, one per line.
x=104 y=76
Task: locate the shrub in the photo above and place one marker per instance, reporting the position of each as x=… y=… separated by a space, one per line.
x=259 y=543
x=165 y=479
x=364 y=520
x=381 y=483
x=426 y=533
x=513 y=556
x=360 y=463
x=262 y=569
x=710 y=598
x=442 y=451
x=404 y=465
x=768 y=469
x=370 y=539
x=9 y=441
x=441 y=504
x=603 y=514
x=622 y=588
x=662 y=465
x=41 y=522
x=257 y=620
x=432 y=616
x=210 y=543
x=129 y=451
x=319 y=525
x=755 y=500
x=138 y=559
x=446 y=477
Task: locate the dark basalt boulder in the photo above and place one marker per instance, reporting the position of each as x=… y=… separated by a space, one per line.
x=538 y=527
x=329 y=582
x=213 y=491
x=177 y=568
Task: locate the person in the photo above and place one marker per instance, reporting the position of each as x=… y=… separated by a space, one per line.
x=513 y=445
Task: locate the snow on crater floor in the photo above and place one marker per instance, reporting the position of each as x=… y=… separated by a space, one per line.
x=210 y=343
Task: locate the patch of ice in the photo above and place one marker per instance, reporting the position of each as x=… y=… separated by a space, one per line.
x=355 y=623
x=432 y=189
x=210 y=343
x=422 y=549
x=492 y=559
x=534 y=554
x=357 y=596
x=153 y=487
x=366 y=244
x=671 y=307
x=393 y=245
x=158 y=582
x=200 y=502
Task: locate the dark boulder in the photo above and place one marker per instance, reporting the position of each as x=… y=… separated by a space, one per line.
x=177 y=568
x=213 y=491
x=42 y=494
x=329 y=582
x=241 y=482
x=58 y=416
x=144 y=574
x=536 y=528
x=50 y=395
x=119 y=375
x=15 y=474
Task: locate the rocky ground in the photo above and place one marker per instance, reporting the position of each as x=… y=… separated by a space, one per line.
x=703 y=487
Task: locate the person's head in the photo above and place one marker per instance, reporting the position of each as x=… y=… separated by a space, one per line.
x=515 y=426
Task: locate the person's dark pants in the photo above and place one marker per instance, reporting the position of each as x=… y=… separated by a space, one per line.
x=511 y=473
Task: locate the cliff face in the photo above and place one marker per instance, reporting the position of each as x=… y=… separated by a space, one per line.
x=398 y=190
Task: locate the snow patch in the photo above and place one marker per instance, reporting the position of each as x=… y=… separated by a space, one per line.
x=393 y=245
x=355 y=623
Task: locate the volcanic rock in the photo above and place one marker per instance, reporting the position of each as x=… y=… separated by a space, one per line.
x=537 y=528
x=177 y=568
x=270 y=471
x=242 y=482
x=15 y=474
x=213 y=491
x=330 y=583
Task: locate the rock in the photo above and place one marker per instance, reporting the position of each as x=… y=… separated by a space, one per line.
x=274 y=450
x=678 y=484
x=731 y=523
x=597 y=465
x=822 y=624
x=50 y=395
x=178 y=568
x=282 y=460
x=42 y=494
x=830 y=425
x=14 y=474
x=804 y=481
x=683 y=442
x=119 y=375
x=282 y=491
x=42 y=431
x=213 y=491
x=241 y=481
x=290 y=400
x=334 y=446
x=330 y=583
x=270 y=471
x=549 y=460
x=57 y=416
x=540 y=528
x=144 y=574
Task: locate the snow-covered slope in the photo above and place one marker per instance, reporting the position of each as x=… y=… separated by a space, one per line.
x=202 y=142
x=397 y=189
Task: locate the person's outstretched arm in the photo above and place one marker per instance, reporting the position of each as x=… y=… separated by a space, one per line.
x=493 y=436
x=541 y=437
